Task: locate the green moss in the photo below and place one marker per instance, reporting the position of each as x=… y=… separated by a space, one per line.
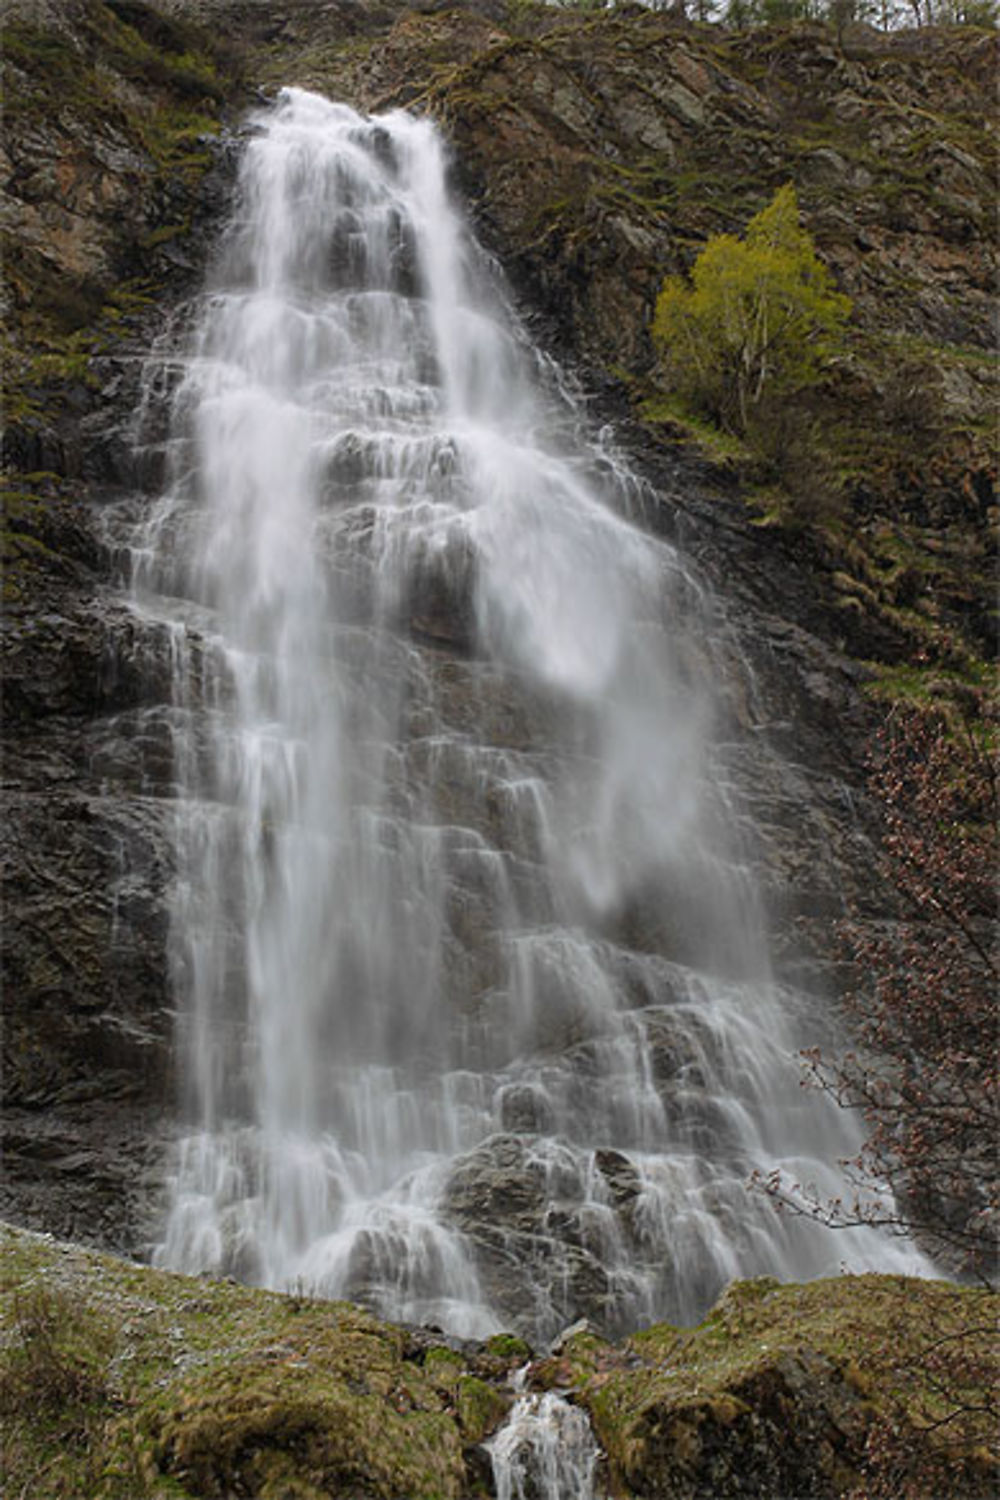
x=20 y=505
x=174 y=58
x=126 y=78
x=318 y=1411
x=508 y=1347
x=481 y=1408
x=218 y=1389
x=175 y=81
x=25 y=553
x=673 y=412
x=49 y=72
x=165 y=233
x=174 y=138
x=133 y=83
x=46 y=299
x=675 y=1385
x=16 y=546
x=958 y=694
x=443 y=1366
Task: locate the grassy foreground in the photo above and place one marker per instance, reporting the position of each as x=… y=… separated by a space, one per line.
x=121 y=1381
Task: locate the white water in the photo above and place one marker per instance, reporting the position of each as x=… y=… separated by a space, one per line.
x=544 y=1451
x=475 y=1014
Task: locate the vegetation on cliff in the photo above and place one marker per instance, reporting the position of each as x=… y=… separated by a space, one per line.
x=759 y=319
x=602 y=152
x=109 y=113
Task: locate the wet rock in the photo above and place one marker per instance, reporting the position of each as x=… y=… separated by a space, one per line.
x=85 y=960
x=796 y=1428
x=519 y=1208
x=496 y=1184
x=84 y=1169
x=621 y=1176
x=525 y=1110
x=566 y=1337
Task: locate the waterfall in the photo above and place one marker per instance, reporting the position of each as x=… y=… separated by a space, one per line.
x=475 y=1017
x=544 y=1451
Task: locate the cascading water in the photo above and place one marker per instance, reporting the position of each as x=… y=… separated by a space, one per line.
x=544 y=1451
x=476 y=1015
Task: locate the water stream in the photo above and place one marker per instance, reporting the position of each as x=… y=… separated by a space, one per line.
x=544 y=1451
x=475 y=1011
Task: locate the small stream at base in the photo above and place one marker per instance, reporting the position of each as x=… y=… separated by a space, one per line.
x=545 y=1451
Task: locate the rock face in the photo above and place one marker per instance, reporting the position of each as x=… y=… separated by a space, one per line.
x=111 y=186
x=596 y=155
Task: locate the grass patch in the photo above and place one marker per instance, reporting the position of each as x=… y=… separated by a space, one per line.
x=57 y=1358
x=718 y=446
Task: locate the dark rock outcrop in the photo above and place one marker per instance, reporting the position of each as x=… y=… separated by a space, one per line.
x=113 y=178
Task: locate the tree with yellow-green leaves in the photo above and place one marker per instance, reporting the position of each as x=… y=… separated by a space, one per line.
x=758 y=317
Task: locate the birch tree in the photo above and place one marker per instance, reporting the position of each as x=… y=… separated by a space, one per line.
x=759 y=315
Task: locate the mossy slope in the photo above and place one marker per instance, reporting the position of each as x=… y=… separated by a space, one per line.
x=797 y=1391
x=125 y=1382
x=109 y=110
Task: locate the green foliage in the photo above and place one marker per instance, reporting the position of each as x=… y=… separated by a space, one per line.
x=759 y=318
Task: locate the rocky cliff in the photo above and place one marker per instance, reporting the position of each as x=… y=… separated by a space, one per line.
x=108 y=154
x=596 y=153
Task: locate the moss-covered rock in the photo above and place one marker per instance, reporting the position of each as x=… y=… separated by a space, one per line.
x=328 y=1409
x=213 y=1389
x=791 y=1390
x=481 y=1408
x=130 y=1383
